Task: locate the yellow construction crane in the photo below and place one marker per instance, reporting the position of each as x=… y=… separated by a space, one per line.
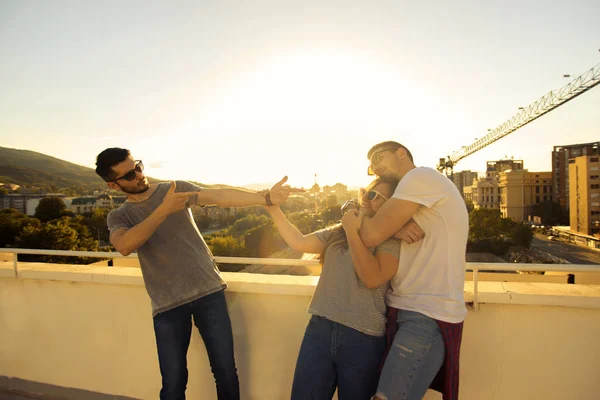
x=541 y=106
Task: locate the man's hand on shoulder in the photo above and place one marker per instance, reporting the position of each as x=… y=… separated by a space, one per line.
x=410 y=233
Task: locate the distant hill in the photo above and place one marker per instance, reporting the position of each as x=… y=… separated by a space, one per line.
x=31 y=169
x=28 y=168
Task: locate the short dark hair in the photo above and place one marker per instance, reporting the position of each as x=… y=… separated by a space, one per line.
x=109 y=158
x=390 y=145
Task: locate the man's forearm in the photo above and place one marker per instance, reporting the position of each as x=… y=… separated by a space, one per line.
x=368 y=233
x=135 y=237
x=231 y=198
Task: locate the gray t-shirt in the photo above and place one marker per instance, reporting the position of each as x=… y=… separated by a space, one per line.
x=342 y=297
x=176 y=263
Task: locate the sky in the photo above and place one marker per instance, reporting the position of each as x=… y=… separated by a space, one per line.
x=246 y=92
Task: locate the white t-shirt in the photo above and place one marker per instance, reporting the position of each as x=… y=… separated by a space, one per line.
x=431 y=273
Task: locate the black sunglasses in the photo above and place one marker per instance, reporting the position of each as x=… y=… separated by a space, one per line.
x=139 y=167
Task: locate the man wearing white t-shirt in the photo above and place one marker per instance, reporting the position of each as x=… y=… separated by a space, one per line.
x=426 y=295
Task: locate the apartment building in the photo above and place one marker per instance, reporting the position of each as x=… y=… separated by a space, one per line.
x=560 y=169
x=521 y=191
x=584 y=194
x=463 y=179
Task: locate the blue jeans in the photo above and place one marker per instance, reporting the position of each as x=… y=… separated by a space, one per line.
x=333 y=355
x=415 y=357
x=173 y=330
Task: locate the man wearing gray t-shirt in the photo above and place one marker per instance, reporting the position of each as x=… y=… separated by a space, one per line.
x=179 y=271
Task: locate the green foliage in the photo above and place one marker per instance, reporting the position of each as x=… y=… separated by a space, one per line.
x=550 y=212
x=12 y=223
x=251 y=221
x=485 y=223
x=227 y=246
x=60 y=234
x=96 y=223
x=522 y=235
x=470 y=206
x=498 y=247
x=203 y=221
x=489 y=232
x=50 y=208
x=332 y=214
x=306 y=222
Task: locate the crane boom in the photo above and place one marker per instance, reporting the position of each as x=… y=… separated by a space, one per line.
x=541 y=106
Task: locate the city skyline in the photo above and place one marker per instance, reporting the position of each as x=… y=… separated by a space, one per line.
x=231 y=94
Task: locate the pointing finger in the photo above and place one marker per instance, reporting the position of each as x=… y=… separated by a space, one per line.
x=281 y=182
x=172 y=188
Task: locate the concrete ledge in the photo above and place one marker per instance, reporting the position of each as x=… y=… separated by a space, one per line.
x=6 y=270
x=524 y=293
x=47 y=391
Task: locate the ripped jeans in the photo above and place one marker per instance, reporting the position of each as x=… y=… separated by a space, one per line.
x=415 y=357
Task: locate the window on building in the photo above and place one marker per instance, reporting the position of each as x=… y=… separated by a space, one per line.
x=537 y=189
x=537 y=199
x=594 y=176
x=594 y=159
x=595 y=186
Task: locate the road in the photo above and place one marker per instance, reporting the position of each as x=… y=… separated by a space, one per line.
x=570 y=252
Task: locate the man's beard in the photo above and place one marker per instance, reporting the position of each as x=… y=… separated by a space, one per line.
x=136 y=190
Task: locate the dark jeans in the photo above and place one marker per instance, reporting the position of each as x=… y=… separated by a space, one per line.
x=173 y=330
x=333 y=355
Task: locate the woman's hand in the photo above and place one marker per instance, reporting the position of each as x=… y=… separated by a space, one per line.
x=352 y=220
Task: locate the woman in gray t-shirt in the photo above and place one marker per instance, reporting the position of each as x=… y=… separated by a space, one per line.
x=344 y=340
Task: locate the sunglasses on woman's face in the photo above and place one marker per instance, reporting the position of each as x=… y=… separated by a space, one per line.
x=139 y=167
x=372 y=195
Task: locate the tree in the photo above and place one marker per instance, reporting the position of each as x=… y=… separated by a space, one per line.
x=485 y=223
x=203 y=221
x=251 y=221
x=50 y=208
x=96 y=223
x=332 y=214
x=60 y=234
x=306 y=222
x=12 y=224
x=522 y=235
x=227 y=246
x=470 y=206
x=550 y=212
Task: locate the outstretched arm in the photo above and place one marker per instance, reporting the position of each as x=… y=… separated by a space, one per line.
x=278 y=194
x=292 y=236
